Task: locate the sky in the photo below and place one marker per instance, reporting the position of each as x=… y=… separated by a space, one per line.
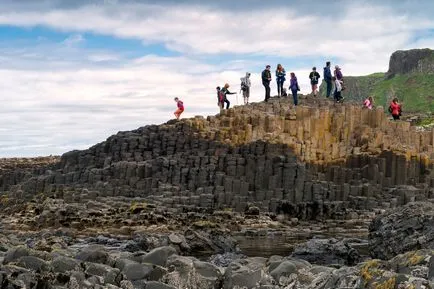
x=75 y=72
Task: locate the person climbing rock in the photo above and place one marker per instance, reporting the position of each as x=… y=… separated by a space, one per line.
x=338 y=90
x=280 y=79
x=314 y=78
x=180 y=107
x=328 y=78
x=266 y=79
x=395 y=109
x=294 y=87
x=368 y=103
x=245 y=87
x=225 y=91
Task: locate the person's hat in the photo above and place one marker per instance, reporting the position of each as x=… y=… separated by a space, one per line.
x=268 y=66
x=337 y=67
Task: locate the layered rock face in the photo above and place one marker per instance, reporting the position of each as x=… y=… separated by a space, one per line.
x=411 y=61
x=312 y=161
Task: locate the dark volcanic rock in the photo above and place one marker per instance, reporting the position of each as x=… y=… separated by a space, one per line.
x=414 y=60
x=328 y=251
x=403 y=229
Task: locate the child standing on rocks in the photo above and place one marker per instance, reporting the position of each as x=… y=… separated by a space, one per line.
x=180 y=108
x=338 y=90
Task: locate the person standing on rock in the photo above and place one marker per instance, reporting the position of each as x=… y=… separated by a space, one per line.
x=314 y=78
x=180 y=108
x=328 y=78
x=280 y=79
x=338 y=90
x=225 y=91
x=338 y=73
x=294 y=87
x=245 y=87
x=395 y=109
x=266 y=79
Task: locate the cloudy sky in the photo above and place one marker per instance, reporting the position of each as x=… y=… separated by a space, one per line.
x=74 y=72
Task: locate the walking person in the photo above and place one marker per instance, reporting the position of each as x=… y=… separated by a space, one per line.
x=294 y=87
x=314 y=78
x=180 y=107
x=280 y=79
x=328 y=78
x=395 y=109
x=225 y=91
x=245 y=87
x=338 y=90
x=368 y=103
x=266 y=79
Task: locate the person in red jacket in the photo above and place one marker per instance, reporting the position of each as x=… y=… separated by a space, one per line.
x=395 y=109
x=180 y=109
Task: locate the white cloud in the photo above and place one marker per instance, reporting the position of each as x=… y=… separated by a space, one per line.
x=73 y=40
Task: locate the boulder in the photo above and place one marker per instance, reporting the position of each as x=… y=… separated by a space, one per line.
x=14 y=254
x=62 y=264
x=110 y=275
x=158 y=256
x=136 y=271
x=244 y=273
x=403 y=229
x=33 y=263
x=328 y=251
x=94 y=254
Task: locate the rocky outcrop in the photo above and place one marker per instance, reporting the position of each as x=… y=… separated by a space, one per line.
x=403 y=229
x=411 y=61
x=76 y=267
x=308 y=162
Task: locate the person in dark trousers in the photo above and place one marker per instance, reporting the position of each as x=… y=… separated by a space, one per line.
x=294 y=87
x=395 y=109
x=280 y=79
x=328 y=78
x=225 y=91
x=314 y=78
x=266 y=79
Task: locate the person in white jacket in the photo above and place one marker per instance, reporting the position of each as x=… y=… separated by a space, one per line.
x=338 y=89
x=245 y=87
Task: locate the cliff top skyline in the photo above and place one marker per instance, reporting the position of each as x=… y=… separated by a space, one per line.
x=75 y=73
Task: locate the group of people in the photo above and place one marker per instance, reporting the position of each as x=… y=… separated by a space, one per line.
x=334 y=79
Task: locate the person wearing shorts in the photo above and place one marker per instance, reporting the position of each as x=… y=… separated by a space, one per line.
x=180 y=108
x=314 y=78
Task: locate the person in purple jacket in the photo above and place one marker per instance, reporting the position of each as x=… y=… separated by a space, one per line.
x=294 y=87
x=338 y=73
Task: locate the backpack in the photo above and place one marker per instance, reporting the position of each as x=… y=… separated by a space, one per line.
x=221 y=96
x=390 y=109
x=243 y=84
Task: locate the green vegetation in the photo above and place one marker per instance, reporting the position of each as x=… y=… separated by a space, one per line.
x=415 y=91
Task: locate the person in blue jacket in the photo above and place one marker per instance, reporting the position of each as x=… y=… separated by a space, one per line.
x=328 y=78
x=280 y=79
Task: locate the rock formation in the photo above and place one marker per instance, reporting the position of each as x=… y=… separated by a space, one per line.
x=411 y=61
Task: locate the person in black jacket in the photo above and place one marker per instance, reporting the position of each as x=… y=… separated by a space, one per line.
x=225 y=91
x=266 y=79
x=314 y=78
x=328 y=78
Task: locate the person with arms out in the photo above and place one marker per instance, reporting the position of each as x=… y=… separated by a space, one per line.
x=280 y=79
x=245 y=87
x=368 y=103
x=328 y=78
x=225 y=91
x=180 y=108
x=294 y=87
x=314 y=78
x=395 y=109
x=266 y=79
x=338 y=90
